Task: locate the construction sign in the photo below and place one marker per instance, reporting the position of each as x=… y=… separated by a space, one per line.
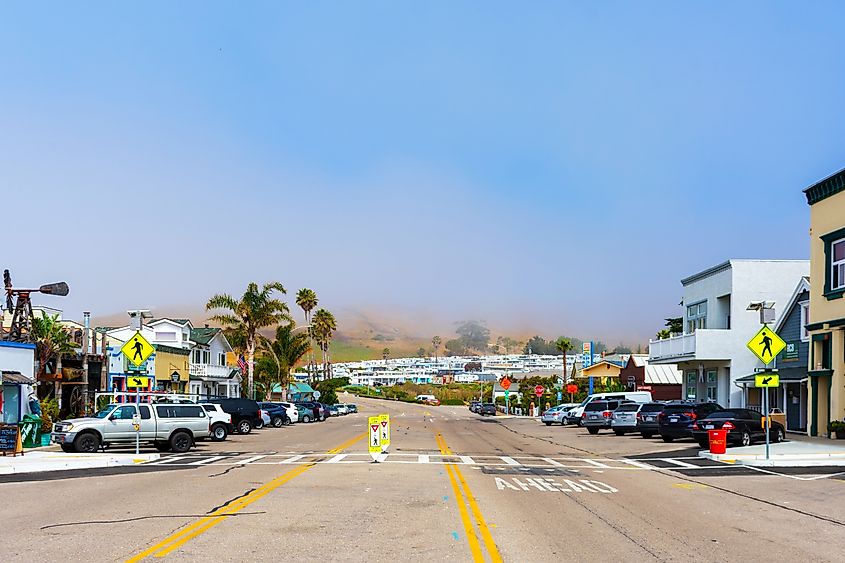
x=374 y=440
x=137 y=349
x=384 y=428
x=766 y=344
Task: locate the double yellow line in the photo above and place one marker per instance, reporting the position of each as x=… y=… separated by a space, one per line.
x=465 y=499
x=204 y=524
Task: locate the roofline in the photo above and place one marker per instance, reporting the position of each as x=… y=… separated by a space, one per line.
x=706 y=273
x=802 y=286
x=826 y=187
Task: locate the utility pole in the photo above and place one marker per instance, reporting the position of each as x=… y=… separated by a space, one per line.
x=86 y=331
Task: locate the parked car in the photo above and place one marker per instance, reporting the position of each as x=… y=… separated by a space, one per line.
x=487 y=409
x=333 y=410
x=166 y=426
x=245 y=413
x=292 y=410
x=473 y=406
x=597 y=414
x=635 y=396
x=624 y=418
x=744 y=427
x=342 y=409
x=352 y=408
x=277 y=413
x=677 y=418
x=647 y=424
x=221 y=422
x=310 y=411
x=557 y=415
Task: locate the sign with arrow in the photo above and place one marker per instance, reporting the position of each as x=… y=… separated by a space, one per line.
x=133 y=382
x=767 y=380
x=384 y=428
x=137 y=349
x=374 y=440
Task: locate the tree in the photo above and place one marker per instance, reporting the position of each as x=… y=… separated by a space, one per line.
x=51 y=341
x=563 y=345
x=663 y=334
x=455 y=347
x=255 y=310
x=621 y=349
x=675 y=324
x=306 y=299
x=287 y=349
x=421 y=352
x=435 y=343
x=324 y=326
x=385 y=354
x=473 y=335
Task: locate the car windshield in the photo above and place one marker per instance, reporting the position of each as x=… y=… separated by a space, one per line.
x=596 y=406
x=633 y=407
x=105 y=412
x=652 y=408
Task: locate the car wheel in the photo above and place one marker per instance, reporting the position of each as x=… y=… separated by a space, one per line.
x=704 y=444
x=277 y=422
x=244 y=427
x=218 y=433
x=648 y=435
x=68 y=448
x=259 y=424
x=593 y=430
x=162 y=446
x=619 y=432
x=87 y=443
x=548 y=423
x=306 y=418
x=745 y=440
x=564 y=422
x=779 y=436
x=180 y=442
x=668 y=439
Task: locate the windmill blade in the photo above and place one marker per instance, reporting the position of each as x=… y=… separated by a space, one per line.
x=59 y=288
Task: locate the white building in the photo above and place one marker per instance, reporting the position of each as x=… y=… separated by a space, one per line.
x=712 y=352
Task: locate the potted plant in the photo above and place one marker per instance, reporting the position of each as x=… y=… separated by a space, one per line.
x=837 y=427
x=49 y=414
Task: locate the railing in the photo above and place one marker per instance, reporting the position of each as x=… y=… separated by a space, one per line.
x=672 y=347
x=209 y=370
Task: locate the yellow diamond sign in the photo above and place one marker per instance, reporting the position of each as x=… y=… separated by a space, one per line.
x=766 y=344
x=137 y=349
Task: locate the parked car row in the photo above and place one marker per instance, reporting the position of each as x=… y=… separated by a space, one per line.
x=177 y=424
x=484 y=409
x=625 y=413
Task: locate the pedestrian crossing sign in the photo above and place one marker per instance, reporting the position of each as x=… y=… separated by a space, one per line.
x=766 y=344
x=374 y=439
x=137 y=349
x=384 y=429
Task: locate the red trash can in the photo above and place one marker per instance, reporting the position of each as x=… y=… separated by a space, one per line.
x=718 y=441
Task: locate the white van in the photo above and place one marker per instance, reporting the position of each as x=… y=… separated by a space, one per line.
x=636 y=396
x=425 y=398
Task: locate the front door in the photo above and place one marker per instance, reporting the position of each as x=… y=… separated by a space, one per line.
x=793 y=406
x=120 y=424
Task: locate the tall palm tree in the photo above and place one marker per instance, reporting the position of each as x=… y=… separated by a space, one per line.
x=287 y=349
x=563 y=346
x=435 y=342
x=306 y=299
x=324 y=325
x=257 y=309
x=51 y=341
x=385 y=354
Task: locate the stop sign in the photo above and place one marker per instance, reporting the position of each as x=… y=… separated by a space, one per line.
x=505 y=383
x=539 y=390
x=571 y=388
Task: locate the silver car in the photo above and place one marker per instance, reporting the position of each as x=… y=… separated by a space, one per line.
x=624 y=418
x=557 y=415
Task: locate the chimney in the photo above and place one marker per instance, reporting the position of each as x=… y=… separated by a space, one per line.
x=206 y=325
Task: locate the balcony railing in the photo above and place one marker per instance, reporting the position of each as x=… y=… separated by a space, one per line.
x=672 y=347
x=209 y=370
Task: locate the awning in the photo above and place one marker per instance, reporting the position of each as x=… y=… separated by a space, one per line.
x=788 y=375
x=15 y=377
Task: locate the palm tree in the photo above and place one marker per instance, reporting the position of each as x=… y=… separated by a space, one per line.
x=385 y=354
x=287 y=349
x=51 y=341
x=663 y=334
x=324 y=326
x=257 y=309
x=436 y=343
x=306 y=299
x=563 y=346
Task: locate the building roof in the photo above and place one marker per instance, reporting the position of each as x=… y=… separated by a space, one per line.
x=803 y=285
x=294 y=388
x=177 y=321
x=203 y=335
x=825 y=188
x=791 y=375
x=16 y=377
x=658 y=374
x=172 y=349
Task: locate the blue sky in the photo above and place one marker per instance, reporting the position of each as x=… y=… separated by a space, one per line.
x=553 y=165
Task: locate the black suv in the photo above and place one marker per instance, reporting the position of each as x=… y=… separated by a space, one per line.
x=487 y=408
x=244 y=413
x=677 y=418
x=647 y=424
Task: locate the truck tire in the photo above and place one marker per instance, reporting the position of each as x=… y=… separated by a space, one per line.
x=87 y=442
x=244 y=426
x=218 y=432
x=181 y=442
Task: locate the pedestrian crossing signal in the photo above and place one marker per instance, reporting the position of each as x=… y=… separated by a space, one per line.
x=766 y=344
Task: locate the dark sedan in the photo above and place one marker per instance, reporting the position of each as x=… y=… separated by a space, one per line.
x=744 y=427
x=487 y=408
x=647 y=424
x=278 y=414
x=677 y=418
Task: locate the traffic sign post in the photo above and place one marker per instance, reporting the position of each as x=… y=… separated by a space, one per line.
x=538 y=391
x=374 y=443
x=507 y=403
x=137 y=351
x=384 y=429
x=766 y=345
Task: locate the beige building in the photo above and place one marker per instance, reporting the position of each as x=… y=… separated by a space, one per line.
x=826 y=323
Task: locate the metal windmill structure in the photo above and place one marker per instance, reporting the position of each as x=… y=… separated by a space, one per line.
x=19 y=304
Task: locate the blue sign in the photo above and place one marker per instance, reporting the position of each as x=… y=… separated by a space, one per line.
x=587 y=355
x=559 y=396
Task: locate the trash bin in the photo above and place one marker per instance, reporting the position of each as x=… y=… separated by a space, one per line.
x=718 y=441
x=31 y=431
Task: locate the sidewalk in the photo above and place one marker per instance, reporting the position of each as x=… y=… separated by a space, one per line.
x=35 y=460
x=793 y=453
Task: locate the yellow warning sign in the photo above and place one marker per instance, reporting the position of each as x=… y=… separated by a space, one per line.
x=374 y=432
x=134 y=382
x=766 y=344
x=384 y=428
x=767 y=380
x=137 y=349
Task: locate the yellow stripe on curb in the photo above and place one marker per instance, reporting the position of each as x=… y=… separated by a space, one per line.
x=176 y=540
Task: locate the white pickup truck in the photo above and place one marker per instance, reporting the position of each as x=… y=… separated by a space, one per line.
x=167 y=426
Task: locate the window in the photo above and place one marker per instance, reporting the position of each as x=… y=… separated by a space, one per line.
x=165 y=336
x=691 y=386
x=696 y=316
x=221 y=361
x=712 y=388
x=123 y=413
x=180 y=411
x=184 y=336
x=805 y=320
x=837 y=265
x=145 y=412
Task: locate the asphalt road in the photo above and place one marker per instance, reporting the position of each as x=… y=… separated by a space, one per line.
x=454 y=487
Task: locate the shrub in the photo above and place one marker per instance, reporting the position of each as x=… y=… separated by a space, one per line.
x=836 y=426
x=452 y=402
x=49 y=414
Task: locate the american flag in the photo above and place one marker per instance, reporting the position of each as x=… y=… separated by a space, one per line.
x=242 y=363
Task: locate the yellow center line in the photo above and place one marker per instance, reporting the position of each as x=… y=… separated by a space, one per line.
x=467 y=497
x=204 y=524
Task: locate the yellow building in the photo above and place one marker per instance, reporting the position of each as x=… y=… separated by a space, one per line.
x=603 y=370
x=171 y=368
x=826 y=323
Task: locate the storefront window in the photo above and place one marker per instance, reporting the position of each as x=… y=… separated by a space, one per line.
x=11 y=403
x=712 y=387
x=691 y=387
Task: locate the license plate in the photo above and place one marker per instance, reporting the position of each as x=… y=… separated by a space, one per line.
x=673 y=419
x=593 y=417
x=649 y=419
x=708 y=427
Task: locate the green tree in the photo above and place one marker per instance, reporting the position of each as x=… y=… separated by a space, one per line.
x=473 y=335
x=675 y=324
x=621 y=349
x=421 y=353
x=51 y=340
x=255 y=310
x=563 y=345
x=306 y=299
x=455 y=347
x=286 y=349
x=663 y=334
x=435 y=343
x=385 y=354
x=324 y=325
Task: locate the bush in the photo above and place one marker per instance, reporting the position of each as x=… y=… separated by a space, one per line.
x=836 y=426
x=49 y=414
x=453 y=402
